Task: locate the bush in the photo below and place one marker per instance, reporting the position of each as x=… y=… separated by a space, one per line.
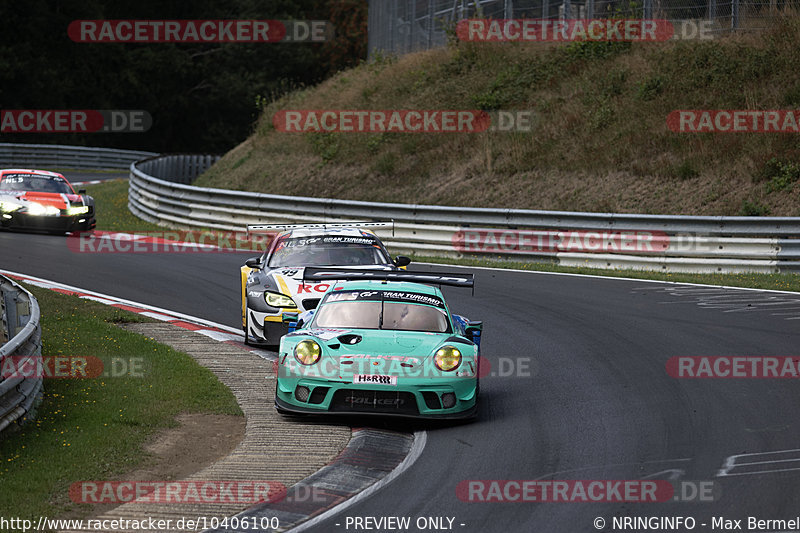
x=385 y=164
x=753 y=209
x=779 y=174
x=686 y=171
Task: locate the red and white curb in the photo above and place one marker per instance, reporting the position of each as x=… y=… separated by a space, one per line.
x=92 y=182
x=218 y=332
x=97 y=182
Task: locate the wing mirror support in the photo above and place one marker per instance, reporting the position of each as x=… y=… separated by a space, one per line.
x=291 y=321
x=474 y=330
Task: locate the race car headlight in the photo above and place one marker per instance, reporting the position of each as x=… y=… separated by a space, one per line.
x=79 y=210
x=38 y=210
x=276 y=299
x=447 y=358
x=307 y=352
x=9 y=207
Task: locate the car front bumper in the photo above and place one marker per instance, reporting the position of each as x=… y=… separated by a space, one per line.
x=47 y=223
x=421 y=398
x=266 y=328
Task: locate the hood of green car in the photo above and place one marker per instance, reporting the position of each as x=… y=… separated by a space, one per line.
x=408 y=343
x=374 y=342
x=378 y=352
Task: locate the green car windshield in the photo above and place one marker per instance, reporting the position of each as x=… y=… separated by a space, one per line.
x=388 y=315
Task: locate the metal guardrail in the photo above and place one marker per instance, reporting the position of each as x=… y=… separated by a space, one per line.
x=18 y=394
x=59 y=156
x=679 y=243
x=4 y=329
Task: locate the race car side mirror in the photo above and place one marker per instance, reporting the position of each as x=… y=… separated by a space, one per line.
x=253 y=262
x=474 y=330
x=292 y=321
x=402 y=261
x=81 y=191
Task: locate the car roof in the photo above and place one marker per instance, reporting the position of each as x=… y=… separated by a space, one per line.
x=326 y=232
x=401 y=286
x=30 y=171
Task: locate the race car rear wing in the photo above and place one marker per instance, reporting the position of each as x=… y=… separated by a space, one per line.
x=346 y=274
x=271 y=228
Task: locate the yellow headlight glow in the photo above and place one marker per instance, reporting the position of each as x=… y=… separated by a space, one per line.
x=8 y=207
x=276 y=299
x=38 y=210
x=307 y=352
x=80 y=210
x=447 y=358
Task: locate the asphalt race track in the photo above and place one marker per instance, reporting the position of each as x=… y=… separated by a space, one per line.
x=584 y=392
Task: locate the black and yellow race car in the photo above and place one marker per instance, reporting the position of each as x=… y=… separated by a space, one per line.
x=273 y=291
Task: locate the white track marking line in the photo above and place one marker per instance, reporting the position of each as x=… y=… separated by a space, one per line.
x=614 y=465
x=157 y=316
x=731 y=463
x=420 y=438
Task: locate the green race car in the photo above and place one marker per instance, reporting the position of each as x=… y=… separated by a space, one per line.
x=381 y=343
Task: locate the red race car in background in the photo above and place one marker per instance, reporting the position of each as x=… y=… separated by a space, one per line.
x=42 y=200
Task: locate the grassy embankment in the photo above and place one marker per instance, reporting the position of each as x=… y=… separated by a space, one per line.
x=600 y=142
x=94 y=429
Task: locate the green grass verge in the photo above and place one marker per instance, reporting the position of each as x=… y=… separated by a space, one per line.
x=93 y=429
x=111 y=206
x=115 y=209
